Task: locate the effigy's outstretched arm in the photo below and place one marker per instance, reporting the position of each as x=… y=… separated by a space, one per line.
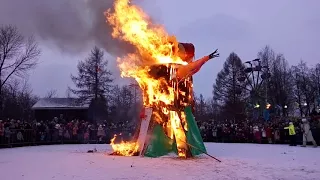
x=194 y=67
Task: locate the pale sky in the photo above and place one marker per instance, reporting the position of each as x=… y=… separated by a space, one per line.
x=290 y=27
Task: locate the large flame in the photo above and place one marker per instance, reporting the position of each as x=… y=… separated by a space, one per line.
x=154 y=46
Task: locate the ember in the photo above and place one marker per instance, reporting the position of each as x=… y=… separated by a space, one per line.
x=163 y=69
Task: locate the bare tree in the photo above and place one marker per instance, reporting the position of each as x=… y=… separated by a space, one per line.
x=200 y=109
x=51 y=94
x=68 y=93
x=281 y=83
x=26 y=100
x=122 y=100
x=315 y=75
x=18 y=100
x=213 y=109
x=267 y=55
x=226 y=88
x=305 y=90
x=17 y=55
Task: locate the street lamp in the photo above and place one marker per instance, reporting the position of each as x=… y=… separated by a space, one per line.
x=268 y=106
x=285 y=106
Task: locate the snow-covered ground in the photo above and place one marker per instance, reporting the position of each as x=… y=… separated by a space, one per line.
x=239 y=161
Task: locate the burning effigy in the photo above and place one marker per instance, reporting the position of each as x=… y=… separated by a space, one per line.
x=163 y=68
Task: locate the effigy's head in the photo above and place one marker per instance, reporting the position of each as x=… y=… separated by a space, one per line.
x=186 y=51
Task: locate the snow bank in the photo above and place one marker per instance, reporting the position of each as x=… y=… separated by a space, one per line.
x=239 y=161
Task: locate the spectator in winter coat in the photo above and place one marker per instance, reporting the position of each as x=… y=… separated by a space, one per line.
x=1 y=132
x=257 y=134
x=292 y=134
x=86 y=136
x=263 y=133
x=214 y=133
x=66 y=134
x=60 y=129
x=7 y=133
x=269 y=134
x=75 y=131
x=20 y=137
x=307 y=134
x=101 y=134
x=1 y=128
x=276 y=135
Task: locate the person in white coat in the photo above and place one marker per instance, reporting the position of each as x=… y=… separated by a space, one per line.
x=101 y=133
x=307 y=134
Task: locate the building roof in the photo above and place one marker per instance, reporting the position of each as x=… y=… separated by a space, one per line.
x=59 y=103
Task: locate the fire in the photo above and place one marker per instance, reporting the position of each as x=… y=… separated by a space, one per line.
x=154 y=46
x=131 y=24
x=179 y=133
x=124 y=148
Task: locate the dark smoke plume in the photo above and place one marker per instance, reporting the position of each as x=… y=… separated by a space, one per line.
x=70 y=25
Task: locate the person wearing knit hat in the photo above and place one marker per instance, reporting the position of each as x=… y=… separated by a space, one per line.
x=307 y=134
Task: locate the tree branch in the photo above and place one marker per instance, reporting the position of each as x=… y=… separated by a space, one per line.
x=13 y=48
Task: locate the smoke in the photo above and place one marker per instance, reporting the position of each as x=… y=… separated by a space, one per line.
x=70 y=25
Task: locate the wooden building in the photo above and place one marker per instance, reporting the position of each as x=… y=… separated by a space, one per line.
x=48 y=108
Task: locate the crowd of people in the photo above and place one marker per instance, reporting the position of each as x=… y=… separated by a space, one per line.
x=276 y=131
x=15 y=132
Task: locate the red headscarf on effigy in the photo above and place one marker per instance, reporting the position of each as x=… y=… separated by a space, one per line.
x=186 y=51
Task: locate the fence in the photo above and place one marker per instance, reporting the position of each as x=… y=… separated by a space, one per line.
x=249 y=137
x=31 y=137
